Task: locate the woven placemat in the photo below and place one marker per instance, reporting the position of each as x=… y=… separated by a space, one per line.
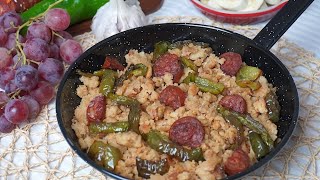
x=37 y=150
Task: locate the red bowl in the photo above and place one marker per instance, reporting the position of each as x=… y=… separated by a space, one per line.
x=239 y=17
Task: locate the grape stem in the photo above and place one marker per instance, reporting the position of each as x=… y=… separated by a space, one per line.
x=28 y=23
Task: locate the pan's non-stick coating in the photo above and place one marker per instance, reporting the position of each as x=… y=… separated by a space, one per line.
x=144 y=38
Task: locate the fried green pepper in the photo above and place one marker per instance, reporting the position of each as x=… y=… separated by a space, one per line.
x=95 y=73
x=208 y=86
x=188 y=63
x=246 y=77
x=133 y=70
x=162 y=144
x=107 y=81
x=134 y=114
x=273 y=106
x=190 y=78
x=146 y=168
x=105 y=128
x=105 y=155
x=238 y=125
x=160 y=48
x=249 y=122
x=259 y=148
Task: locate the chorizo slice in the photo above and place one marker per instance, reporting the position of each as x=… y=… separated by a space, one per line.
x=237 y=162
x=96 y=110
x=232 y=64
x=168 y=63
x=112 y=63
x=234 y=102
x=187 y=131
x=173 y=96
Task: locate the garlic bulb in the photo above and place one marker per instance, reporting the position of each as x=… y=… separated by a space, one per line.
x=117 y=16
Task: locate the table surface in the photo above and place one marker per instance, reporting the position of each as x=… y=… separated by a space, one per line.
x=304 y=32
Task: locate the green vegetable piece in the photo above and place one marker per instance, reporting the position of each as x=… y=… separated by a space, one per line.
x=139 y=70
x=273 y=106
x=107 y=82
x=259 y=148
x=160 y=48
x=104 y=155
x=105 y=128
x=190 y=78
x=79 y=10
x=208 y=86
x=134 y=114
x=238 y=125
x=246 y=77
x=188 y=63
x=146 y=168
x=252 y=124
x=99 y=73
x=162 y=144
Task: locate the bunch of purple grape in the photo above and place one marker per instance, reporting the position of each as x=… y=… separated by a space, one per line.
x=31 y=66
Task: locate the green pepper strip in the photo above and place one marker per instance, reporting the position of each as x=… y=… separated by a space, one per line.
x=162 y=144
x=188 y=63
x=248 y=121
x=99 y=73
x=146 y=168
x=133 y=70
x=246 y=77
x=105 y=128
x=134 y=114
x=104 y=155
x=238 y=125
x=204 y=85
x=273 y=106
x=208 y=86
x=79 y=10
x=160 y=48
x=107 y=82
x=259 y=148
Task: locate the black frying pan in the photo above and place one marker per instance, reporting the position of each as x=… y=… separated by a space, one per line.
x=255 y=53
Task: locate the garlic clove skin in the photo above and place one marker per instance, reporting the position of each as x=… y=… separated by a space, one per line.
x=117 y=16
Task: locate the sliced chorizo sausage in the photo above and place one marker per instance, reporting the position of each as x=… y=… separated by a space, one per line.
x=237 y=162
x=96 y=109
x=234 y=102
x=112 y=63
x=187 y=131
x=168 y=63
x=173 y=96
x=232 y=64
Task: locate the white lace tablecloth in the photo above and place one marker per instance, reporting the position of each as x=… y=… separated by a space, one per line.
x=37 y=150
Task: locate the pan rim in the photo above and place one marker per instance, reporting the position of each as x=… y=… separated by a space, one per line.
x=252 y=168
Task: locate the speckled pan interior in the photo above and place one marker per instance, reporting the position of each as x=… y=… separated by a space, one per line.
x=143 y=39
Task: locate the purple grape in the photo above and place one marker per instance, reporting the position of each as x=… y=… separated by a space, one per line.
x=16 y=61
x=5 y=58
x=26 y=77
x=11 y=42
x=43 y=93
x=70 y=50
x=3 y=98
x=33 y=105
x=5 y=125
x=3 y=37
x=51 y=70
x=39 y=30
x=10 y=87
x=58 y=40
x=11 y=18
x=57 y=19
x=36 y=49
x=54 y=51
x=16 y=111
x=6 y=75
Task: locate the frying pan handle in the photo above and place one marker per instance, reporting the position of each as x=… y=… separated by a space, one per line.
x=281 y=22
